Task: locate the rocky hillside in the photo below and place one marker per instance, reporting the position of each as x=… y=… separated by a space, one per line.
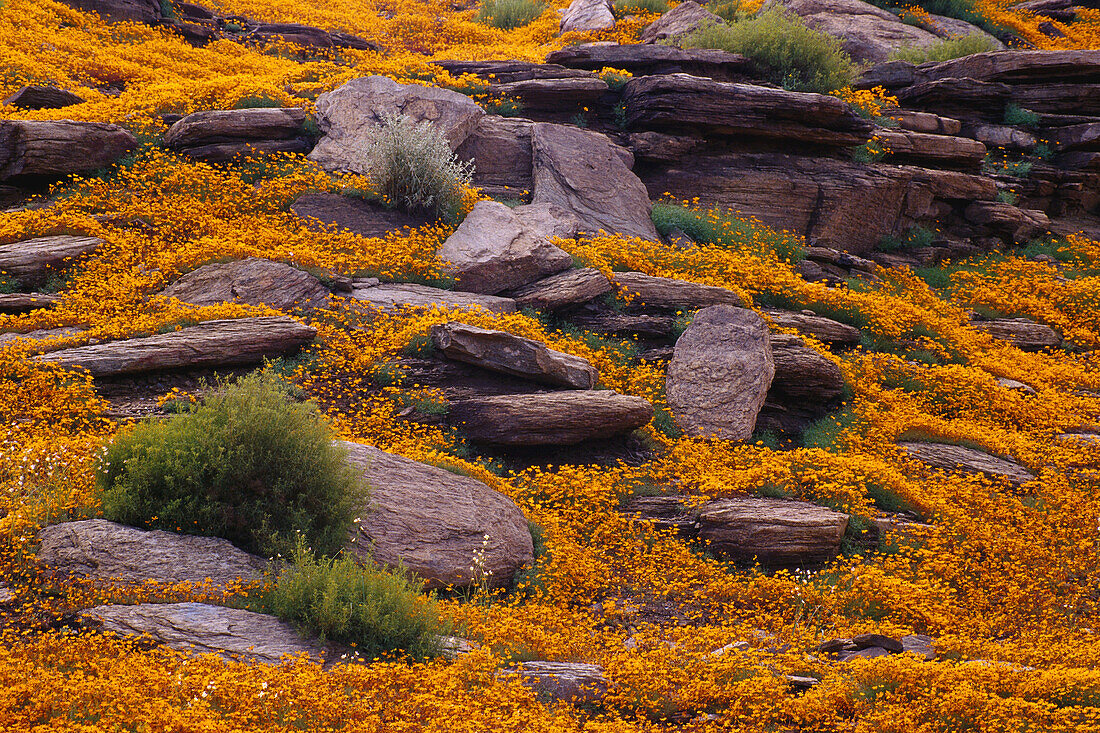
x=695 y=383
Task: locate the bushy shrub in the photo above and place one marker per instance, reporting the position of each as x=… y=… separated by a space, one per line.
x=245 y=464
x=341 y=600
x=725 y=229
x=626 y=7
x=787 y=51
x=1017 y=116
x=947 y=49
x=509 y=14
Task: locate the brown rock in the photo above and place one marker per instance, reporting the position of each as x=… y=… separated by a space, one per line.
x=138 y=11
x=866 y=32
x=963 y=98
x=61 y=148
x=1002 y=136
x=658 y=147
x=565 y=289
x=651 y=60
x=1075 y=137
x=31 y=260
x=936 y=149
x=678 y=22
x=774 y=532
x=1007 y=221
x=231 y=125
x=562 y=96
x=390 y=296
x=667 y=292
x=359 y=216
x=625 y=324
x=501 y=150
x=890 y=644
x=587 y=15
x=967 y=460
x=253 y=281
x=824 y=329
x=26 y=302
x=926 y=122
x=40 y=97
x=1022 y=333
x=802 y=375
x=504 y=71
x=1017 y=67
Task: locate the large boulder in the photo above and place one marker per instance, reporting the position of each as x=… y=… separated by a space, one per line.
x=394 y=296
x=349 y=115
x=1023 y=333
x=102 y=550
x=434 y=522
x=587 y=15
x=61 y=148
x=720 y=373
x=585 y=173
x=253 y=281
x=678 y=22
x=140 y=11
x=222 y=134
x=670 y=293
x=551 y=418
x=496 y=248
x=866 y=33
x=774 y=532
x=31 y=260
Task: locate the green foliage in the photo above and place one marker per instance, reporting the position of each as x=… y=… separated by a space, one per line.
x=916 y=236
x=726 y=230
x=730 y=12
x=615 y=79
x=423 y=404
x=828 y=432
x=257 y=101
x=683 y=320
x=168 y=10
x=1004 y=165
x=579 y=120
x=1017 y=116
x=509 y=14
x=960 y=9
x=8 y=284
x=947 y=49
x=626 y=7
x=341 y=600
x=789 y=53
x=871 y=151
x=1043 y=151
x=246 y=464
x=502 y=106
x=421 y=345
x=1007 y=197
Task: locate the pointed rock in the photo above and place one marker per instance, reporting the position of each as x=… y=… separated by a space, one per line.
x=587 y=15
x=39 y=97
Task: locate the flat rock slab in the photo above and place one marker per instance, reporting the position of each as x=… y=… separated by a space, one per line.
x=549 y=418
x=223 y=125
x=549 y=96
x=209 y=344
x=204 y=629
x=61 y=148
x=356 y=215
x=96 y=548
x=253 y=281
x=563 y=290
x=720 y=373
x=391 y=296
x=1018 y=67
x=667 y=292
x=26 y=302
x=31 y=260
x=573 y=682
x=655 y=59
x=823 y=329
x=802 y=375
x=40 y=97
x=775 y=532
x=507 y=353
x=967 y=460
x=1022 y=333
x=433 y=522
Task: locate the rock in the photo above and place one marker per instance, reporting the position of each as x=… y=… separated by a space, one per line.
x=506 y=353
x=565 y=97
x=625 y=324
x=102 y=550
x=679 y=102
x=866 y=33
x=823 y=329
x=967 y=460
x=505 y=71
x=26 y=302
x=496 y=248
x=209 y=344
x=572 y=682
x=803 y=376
x=359 y=216
x=563 y=290
x=801 y=682
x=1022 y=333
x=138 y=11
x=922 y=148
x=658 y=147
x=667 y=292
x=774 y=532
x=919 y=644
x=865 y=641
x=1075 y=137
x=61 y=148
x=926 y=122
x=964 y=98
x=1016 y=386
x=551 y=418
x=720 y=373
x=31 y=261
x=656 y=59
x=253 y=281
x=40 y=97
x=501 y=150
x=584 y=173
x=220 y=135
x=434 y=522
x=201 y=628
x=946 y=27
x=45 y=335
x=663 y=512
x=1060 y=99
x=349 y=115
x=390 y=296
x=1002 y=136
x=1019 y=67
x=871 y=652
x=587 y=15
x=678 y=22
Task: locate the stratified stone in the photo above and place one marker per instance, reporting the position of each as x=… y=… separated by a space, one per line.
x=253 y=281
x=773 y=532
x=550 y=418
x=563 y=290
x=949 y=457
x=390 y=296
x=31 y=261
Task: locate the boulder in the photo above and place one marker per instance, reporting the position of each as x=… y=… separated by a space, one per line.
x=823 y=329
x=946 y=27
x=390 y=296
x=1002 y=136
x=563 y=290
x=670 y=293
x=550 y=418
x=656 y=59
x=434 y=522
x=1010 y=223
x=563 y=97
x=1022 y=333
x=678 y=22
x=26 y=302
x=61 y=148
x=803 y=376
x=40 y=97
x=1019 y=67
x=572 y=682
x=866 y=32
x=773 y=532
x=625 y=324
x=31 y=261
x=499 y=351
x=102 y=550
x=209 y=344
x=926 y=122
x=204 y=629
x=584 y=173
x=947 y=457
x=138 y=11
x=657 y=147
x=964 y=99
x=222 y=134
x=587 y=15
x=1075 y=137
x=500 y=148
x=356 y=215
x=349 y=115
x=720 y=373
x=496 y=248
x=253 y=281
x=504 y=71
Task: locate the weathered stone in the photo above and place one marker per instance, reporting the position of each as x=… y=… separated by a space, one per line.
x=359 y=216
x=667 y=292
x=500 y=148
x=1002 y=136
x=890 y=644
x=625 y=324
x=349 y=116
x=507 y=353
x=31 y=260
x=719 y=375
x=947 y=27
x=209 y=344
x=1007 y=221
x=937 y=149
x=1016 y=67
x=1060 y=99
x=663 y=512
x=26 y=302
x=802 y=375
x=253 y=281
x=866 y=32
x=572 y=682
x=587 y=15
x=551 y=418
x=201 y=628
x=964 y=98
x=47 y=336
x=565 y=289
x=584 y=173
x=774 y=532
x=504 y=71
x=967 y=460
x=102 y=550
x=1022 y=333
x=1016 y=386
x=658 y=147
x=651 y=60
x=232 y=125
x=61 y=148
x=678 y=22
x=1075 y=137
x=919 y=644
x=562 y=96
x=496 y=248
x=926 y=122
x=433 y=522
x=139 y=11
x=824 y=329
x=389 y=296
x=871 y=652
x=40 y=97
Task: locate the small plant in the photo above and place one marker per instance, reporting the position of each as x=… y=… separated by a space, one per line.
x=509 y=14
x=1006 y=196
x=1003 y=165
x=620 y=116
x=1017 y=116
x=723 y=228
x=616 y=79
x=579 y=120
x=915 y=237
x=234 y=27
x=947 y=49
x=871 y=151
x=626 y=7
x=502 y=106
x=730 y=12
x=168 y=10
x=681 y=324
x=1043 y=151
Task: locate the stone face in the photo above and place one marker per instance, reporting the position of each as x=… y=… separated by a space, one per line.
x=802 y=375
x=253 y=281
x=61 y=148
x=587 y=15
x=1009 y=222
x=389 y=296
x=824 y=329
x=667 y=292
x=201 y=628
x=349 y=115
x=679 y=21
x=96 y=548
x=967 y=460
x=26 y=302
x=573 y=682
x=140 y=11
x=1075 y=137
x=209 y=344
x=946 y=27
x=31 y=260
x=720 y=372
x=551 y=418
x=564 y=96
x=433 y=521
x=584 y=173
x=1002 y=136
x=39 y=97
x=1021 y=332
x=365 y=218
x=776 y=532
x=936 y=149
x=501 y=150
x=496 y=248
x=866 y=33
x=654 y=59
x=565 y=289
x=503 y=352
x=625 y=324
x=1017 y=67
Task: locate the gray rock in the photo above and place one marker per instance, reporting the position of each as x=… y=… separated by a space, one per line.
x=565 y=289
x=946 y=27
x=61 y=148
x=253 y=281
x=667 y=292
x=681 y=20
x=228 y=125
x=890 y=644
x=96 y=548
x=40 y=97
x=31 y=260
x=139 y=11
x=871 y=652
x=500 y=148
x=1023 y=333
x=433 y=522
x=776 y=532
x=572 y=682
x=356 y=215
x=824 y=329
x=652 y=59
x=919 y=644
x=967 y=460
x=720 y=373
x=866 y=32
x=392 y=296
x=587 y=15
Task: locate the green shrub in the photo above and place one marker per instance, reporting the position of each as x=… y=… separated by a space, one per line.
x=730 y=12
x=246 y=464
x=626 y=7
x=916 y=236
x=257 y=101
x=1017 y=116
x=789 y=53
x=725 y=229
x=509 y=14
x=947 y=49
x=341 y=600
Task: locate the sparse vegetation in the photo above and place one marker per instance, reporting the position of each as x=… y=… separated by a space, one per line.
x=1017 y=116
x=723 y=228
x=947 y=49
x=509 y=14
x=626 y=7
